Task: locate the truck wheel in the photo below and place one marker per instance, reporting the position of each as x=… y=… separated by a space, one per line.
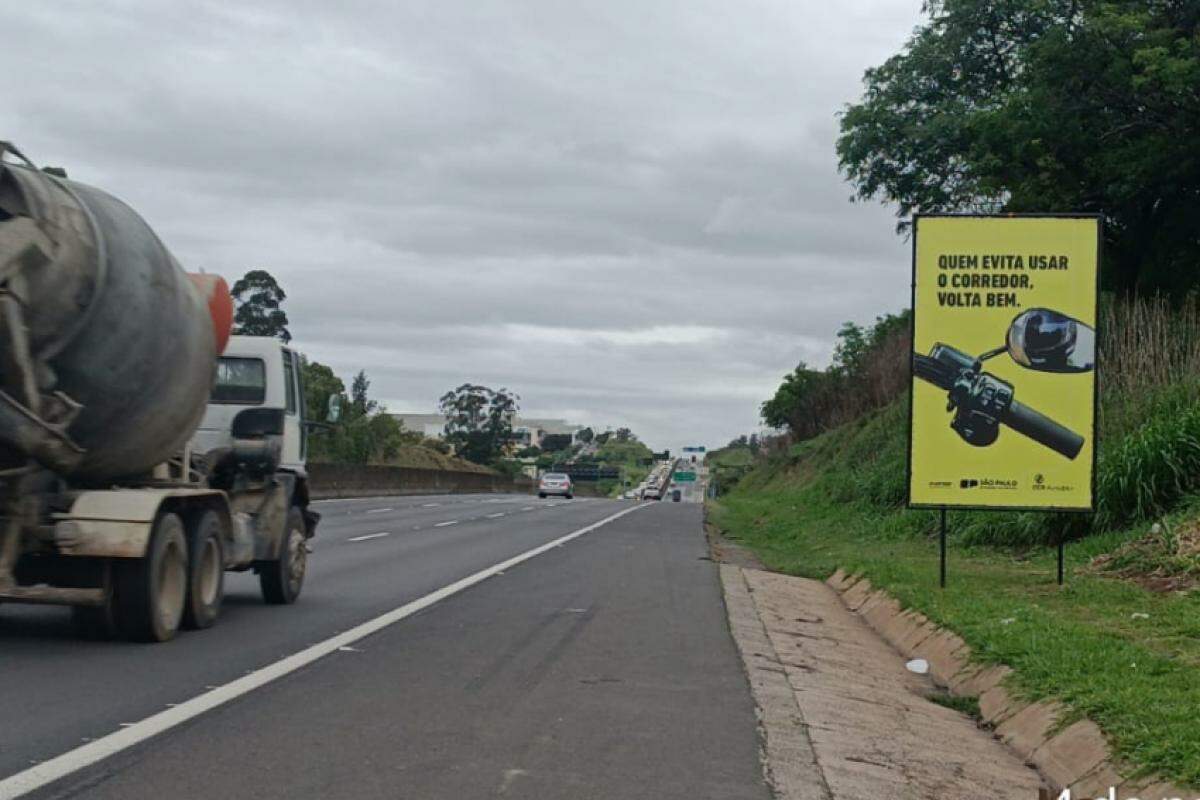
x=151 y=590
x=282 y=580
x=206 y=572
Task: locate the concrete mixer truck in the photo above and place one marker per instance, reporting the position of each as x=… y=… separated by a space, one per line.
x=143 y=450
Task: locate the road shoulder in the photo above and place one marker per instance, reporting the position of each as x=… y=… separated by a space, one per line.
x=840 y=716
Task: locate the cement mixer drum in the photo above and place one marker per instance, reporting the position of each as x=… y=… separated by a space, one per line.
x=107 y=349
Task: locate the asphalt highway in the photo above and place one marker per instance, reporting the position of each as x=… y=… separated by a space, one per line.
x=599 y=668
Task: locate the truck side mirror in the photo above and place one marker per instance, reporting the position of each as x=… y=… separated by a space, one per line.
x=335 y=408
x=1050 y=341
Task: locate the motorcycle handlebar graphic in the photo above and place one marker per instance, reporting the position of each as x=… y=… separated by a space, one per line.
x=982 y=402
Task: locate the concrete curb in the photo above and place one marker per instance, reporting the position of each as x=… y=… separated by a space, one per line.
x=789 y=762
x=1076 y=756
x=840 y=717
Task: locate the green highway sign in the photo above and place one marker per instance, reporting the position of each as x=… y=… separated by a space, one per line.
x=684 y=477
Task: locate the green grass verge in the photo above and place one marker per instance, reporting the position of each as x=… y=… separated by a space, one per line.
x=1138 y=678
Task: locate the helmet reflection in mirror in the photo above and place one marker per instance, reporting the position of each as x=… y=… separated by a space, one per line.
x=1050 y=341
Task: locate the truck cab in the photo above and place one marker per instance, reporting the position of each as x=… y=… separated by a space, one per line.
x=259 y=382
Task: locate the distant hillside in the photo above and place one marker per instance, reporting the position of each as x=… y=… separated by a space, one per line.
x=428 y=458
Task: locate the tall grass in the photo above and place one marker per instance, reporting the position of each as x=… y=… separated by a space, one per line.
x=1149 y=355
x=1149 y=414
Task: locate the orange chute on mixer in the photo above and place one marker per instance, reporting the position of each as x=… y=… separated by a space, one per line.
x=216 y=295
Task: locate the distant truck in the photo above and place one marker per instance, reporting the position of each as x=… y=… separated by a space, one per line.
x=124 y=492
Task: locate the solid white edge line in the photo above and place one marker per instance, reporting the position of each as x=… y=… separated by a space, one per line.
x=378 y=510
x=444 y=524
x=99 y=749
x=379 y=535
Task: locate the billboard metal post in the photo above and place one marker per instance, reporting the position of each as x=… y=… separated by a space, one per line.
x=942 y=551
x=1061 y=548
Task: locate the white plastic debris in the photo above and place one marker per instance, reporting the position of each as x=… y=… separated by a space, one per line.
x=918 y=665
x=1008 y=620
x=1139 y=615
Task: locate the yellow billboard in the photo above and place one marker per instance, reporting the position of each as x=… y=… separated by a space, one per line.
x=1004 y=361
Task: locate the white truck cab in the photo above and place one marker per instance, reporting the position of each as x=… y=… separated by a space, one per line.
x=257 y=373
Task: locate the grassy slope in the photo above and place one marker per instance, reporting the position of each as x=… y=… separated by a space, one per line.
x=727 y=465
x=834 y=502
x=625 y=455
x=427 y=458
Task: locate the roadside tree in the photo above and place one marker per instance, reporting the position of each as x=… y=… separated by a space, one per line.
x=259 y=299
x=478 y=421
x=1045 y=105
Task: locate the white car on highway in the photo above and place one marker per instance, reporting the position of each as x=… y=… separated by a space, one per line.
x=556 y=483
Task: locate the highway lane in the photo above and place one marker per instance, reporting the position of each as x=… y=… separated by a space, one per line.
x=65 y=691
x=599 y=669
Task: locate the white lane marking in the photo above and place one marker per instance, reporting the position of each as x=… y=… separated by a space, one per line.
x=74 y=760
x=495 y=516
x=527 y=508
x=431 y=505
x=379 y=535
x=378 y=510
x=444 y=524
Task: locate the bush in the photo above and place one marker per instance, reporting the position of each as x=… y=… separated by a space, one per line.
x=869 y=370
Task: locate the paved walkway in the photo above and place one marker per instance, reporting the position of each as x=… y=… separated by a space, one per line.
x=842 y=717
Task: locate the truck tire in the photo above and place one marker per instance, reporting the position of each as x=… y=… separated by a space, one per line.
x=151 y=590
x=206 y=572
x=282 y=580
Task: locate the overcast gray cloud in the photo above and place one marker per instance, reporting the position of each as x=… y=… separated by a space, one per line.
x=628 y=211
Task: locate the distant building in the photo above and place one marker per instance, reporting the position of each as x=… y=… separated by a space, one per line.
x=430 y=425
x=531 y=431
x=526 y=431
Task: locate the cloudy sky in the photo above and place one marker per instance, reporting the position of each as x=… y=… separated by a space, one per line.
x=628 y=211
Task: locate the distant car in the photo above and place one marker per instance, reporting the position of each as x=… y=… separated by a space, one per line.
x=676 y=496
x=652 y=493
x=556 y=483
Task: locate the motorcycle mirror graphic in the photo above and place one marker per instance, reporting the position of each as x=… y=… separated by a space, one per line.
x=981 y=402
x=1050 y=341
